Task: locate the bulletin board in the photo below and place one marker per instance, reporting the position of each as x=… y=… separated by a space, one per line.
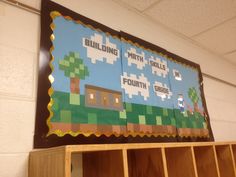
x=98 y=85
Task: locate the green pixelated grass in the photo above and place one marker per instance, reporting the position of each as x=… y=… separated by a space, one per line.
x=79 y=114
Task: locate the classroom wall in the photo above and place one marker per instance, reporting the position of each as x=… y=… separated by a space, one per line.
x=19 y=50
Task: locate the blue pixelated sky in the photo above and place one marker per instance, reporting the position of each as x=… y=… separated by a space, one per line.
x=68 y=38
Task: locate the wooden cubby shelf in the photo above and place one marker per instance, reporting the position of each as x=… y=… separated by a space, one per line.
x=145 y=163
x=206 y=159
x=225 y=160
x=234 y=154
x=180 y=162
x=103 y=163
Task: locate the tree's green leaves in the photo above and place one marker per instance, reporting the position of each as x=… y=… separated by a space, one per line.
x=73 y=66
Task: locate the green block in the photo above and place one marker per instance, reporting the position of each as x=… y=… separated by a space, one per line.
x=76 y=54
x=128 y=107
x=81 y=66
x=122 y=122
x=74 y=99
x=173 y=121
x=55 y=105
x=158 y=111
x=158 y=120
x=189 y=123
x=194 y=124
x=185 y=113
x=123 y=114
x=92 y=118
x=64 y=63
x=72 y=75
x=204 y=125
x=65 y=116
x=150 y=119
x=132 y=118
x=78 y=62
x=77 y=71
x=149 y=109
x=165 y=112
x=142 y=119
x=72 y=59
x=184 y=124
x=197 y=115
x=67 y=73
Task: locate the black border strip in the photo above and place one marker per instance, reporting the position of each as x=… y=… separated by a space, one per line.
x=41 y=140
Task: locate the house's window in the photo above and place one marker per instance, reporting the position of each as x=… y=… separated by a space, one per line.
x=91 y=96
x=116 y=100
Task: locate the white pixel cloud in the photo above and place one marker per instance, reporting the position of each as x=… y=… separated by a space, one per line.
x=177 y=75
x=135 y=86
x=162 y=90
x=159 y=67
x=97 y=51
x=135 y=58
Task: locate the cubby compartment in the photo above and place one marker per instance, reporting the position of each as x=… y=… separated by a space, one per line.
x=234 y=153
x=145 y=163
x=205 y=161
x=180 y=162
x=225 y=161
x=103 y=164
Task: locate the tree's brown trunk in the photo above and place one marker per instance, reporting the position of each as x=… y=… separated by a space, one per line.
x=75 y=85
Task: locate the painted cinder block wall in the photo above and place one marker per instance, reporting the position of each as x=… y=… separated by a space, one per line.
x=19 y=50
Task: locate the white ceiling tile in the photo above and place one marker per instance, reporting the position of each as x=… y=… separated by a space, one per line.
x=191 y=17
x=139 y=4
x=231 y=57
x=221 y=39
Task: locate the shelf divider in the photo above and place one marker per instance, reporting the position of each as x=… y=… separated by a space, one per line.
x=225 y=161
x=125 y=163
x=164 y=162
x=194 y=162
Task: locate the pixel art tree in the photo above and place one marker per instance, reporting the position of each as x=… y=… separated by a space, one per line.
x=192 y=93
x=74 y=68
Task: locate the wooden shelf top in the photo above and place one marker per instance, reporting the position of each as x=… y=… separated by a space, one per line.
x=127 y=146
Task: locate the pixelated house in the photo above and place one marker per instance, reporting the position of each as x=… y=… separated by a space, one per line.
x=99 y=97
